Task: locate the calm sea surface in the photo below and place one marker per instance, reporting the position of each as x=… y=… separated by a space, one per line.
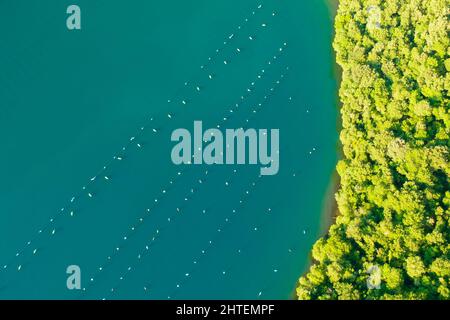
x=71 y=100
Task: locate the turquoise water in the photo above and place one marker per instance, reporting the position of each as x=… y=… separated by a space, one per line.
x=71 y=100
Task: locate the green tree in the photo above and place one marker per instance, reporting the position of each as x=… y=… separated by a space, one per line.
x=394 y=193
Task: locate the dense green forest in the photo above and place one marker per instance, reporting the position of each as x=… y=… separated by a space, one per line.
x=391 y=237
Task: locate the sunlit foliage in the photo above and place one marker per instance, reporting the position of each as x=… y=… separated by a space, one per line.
x=394 y=193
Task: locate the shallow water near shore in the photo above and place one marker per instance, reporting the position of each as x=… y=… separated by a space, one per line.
x=71 y=100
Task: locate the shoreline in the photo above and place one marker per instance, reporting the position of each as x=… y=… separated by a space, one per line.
x=330 y=209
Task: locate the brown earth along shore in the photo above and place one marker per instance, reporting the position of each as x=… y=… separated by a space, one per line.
x=330 y=208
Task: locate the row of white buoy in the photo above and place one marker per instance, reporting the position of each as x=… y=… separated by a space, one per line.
x=225 y=271
x=219 y=230
x=231 y=36
x=219 y=233
x=195 y=261
x=274 y=271
x=50 y=225
x=146 y=248
x=141 y=219
x=238 y=252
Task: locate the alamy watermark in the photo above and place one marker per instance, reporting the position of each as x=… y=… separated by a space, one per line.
x=74 y=279
x=73 y=21
x=211 y=147
x=374 y=17
x=374 y=279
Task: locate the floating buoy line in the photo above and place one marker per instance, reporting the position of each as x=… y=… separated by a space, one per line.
x=49 y=229
x=272 y=273
x=146 y=248
x=253 y=228
x=219 y=233
x=239 y=250
x=141 y=220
